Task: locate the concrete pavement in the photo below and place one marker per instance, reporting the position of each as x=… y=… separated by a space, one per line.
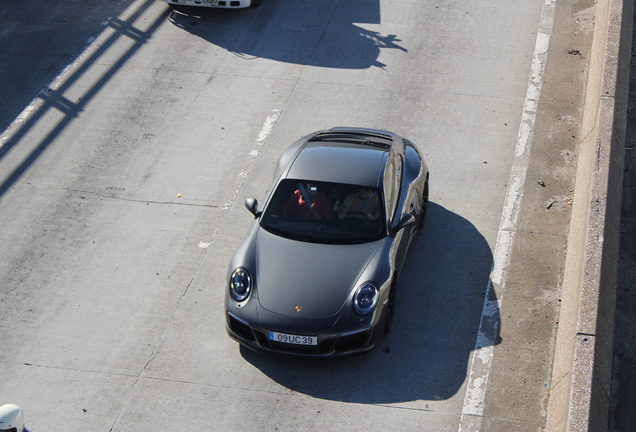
x=112 y=315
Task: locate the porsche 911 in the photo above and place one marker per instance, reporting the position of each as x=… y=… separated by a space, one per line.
x=316 y=275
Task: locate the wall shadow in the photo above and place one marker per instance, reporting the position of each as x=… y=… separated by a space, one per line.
x=302 y=32
x=39 y=39
x=440 y=299
x=55 y=99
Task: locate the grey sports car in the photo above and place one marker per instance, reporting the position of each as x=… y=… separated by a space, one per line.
x=317 y=272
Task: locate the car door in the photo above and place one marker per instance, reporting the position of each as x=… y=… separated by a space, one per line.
x=395 y=202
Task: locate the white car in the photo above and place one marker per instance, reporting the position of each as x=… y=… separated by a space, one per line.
x=229 y=4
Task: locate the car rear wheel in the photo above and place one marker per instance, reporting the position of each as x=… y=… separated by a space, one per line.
x=424 y=213
x=390 y=310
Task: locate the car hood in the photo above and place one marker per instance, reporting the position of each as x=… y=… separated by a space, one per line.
x=314 y=278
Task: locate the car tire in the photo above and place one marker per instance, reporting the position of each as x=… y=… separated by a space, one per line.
x=424 y=213
x=390 y=309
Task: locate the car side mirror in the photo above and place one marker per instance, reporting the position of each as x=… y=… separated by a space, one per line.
x=406 y=219
x=252 y=205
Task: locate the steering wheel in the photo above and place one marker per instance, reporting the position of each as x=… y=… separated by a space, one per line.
x=357 y=213
x=361 y=216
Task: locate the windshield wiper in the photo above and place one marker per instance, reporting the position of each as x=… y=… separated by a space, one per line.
x=279 y=232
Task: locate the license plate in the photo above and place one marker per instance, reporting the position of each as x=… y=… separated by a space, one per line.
x=293 y=339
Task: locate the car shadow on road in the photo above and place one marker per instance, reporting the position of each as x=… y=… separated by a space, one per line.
x=303 y=32
x=427 y=355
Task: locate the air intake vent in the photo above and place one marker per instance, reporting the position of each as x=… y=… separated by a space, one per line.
x=375 y=132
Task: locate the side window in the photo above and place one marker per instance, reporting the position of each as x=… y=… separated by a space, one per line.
x=392 y=176
x=390 y=188
x=398 y=177
x=398 y=181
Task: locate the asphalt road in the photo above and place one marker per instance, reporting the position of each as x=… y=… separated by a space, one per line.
x=122 y=194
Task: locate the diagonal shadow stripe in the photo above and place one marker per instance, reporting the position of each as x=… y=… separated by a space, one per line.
x=54 y=99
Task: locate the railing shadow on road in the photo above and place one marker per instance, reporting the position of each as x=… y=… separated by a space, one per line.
x=286 y=31
x=38 y=42
x=276 y=30
x=427 y=355
x=50 y=99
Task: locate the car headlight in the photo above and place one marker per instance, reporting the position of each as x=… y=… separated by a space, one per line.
x=365 y=299
x=240 y=284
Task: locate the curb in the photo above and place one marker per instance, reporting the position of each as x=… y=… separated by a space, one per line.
x=582 y=369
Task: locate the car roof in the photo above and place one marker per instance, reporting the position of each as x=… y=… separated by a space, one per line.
x=341 y=158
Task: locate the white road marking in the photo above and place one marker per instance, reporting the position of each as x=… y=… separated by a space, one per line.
x=482 y=356
x=267 y=127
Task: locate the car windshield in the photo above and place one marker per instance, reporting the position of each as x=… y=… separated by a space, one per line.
x=321 y=212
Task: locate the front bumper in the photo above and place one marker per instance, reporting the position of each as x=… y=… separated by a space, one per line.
x=329 y=345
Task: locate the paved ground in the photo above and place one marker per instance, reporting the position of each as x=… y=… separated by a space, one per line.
x=113 y=283
x=59 y=31
x=624 y=379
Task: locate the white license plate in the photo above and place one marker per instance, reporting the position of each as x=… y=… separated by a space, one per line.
x=293 y=339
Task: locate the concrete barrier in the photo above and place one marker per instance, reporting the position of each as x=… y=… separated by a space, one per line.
x=581 y=376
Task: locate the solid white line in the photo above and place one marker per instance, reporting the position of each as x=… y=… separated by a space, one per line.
x=482 y=356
